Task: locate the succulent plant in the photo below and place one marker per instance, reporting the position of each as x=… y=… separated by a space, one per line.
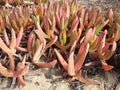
x=70 y=30
x=37 y=47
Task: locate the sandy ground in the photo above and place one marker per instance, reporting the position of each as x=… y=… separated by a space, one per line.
x=47 y=80
x=42 y=81
x=50 y=81
x=105 y=5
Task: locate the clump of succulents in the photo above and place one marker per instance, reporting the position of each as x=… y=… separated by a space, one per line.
x=68 y=31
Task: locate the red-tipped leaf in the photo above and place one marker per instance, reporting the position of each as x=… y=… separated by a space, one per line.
x=81 y=56
x=106 y=66
x=4 y=47
x=45 y=65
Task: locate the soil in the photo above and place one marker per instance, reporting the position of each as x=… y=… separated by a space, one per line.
x=44 y=79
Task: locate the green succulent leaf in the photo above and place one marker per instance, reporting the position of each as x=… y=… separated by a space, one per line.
x=98 y=29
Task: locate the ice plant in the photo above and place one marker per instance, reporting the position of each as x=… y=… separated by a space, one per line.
x=108 y=45
x=37 y=48
x=73 y=65
x=114 y=30
x=13 y=45
x=19 y=17
x=103 y=50
x=68 y=29
x=21 y=69
x=63 y=27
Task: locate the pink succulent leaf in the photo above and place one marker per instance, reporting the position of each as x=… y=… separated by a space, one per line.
x=61 y=13
x=73 y=46
x=86 y=23
x=61 y=60
x=108 y=53
x=46 y=24
x=99 y=17
x=105 y=55
x=74 y=24
x=10 y=1
x=82 y=15
x=102 y=36
x=94 y=54
x=51 y=42
x=81 y=56
x=5 y=72
x=106 y=47
x=71 y=70
x=67 y=10
x=6 y=37
x=5 y=48
x=38 y=53
x=30 y=40
x=22 y=69
x=40 y=30
x=19 y=37
x=81 y=24
x=57 y=15
x=13 y=23
x=88 y=36
x=8 y=25
x=41 y=35
x=106 y=22
x=62 y=23
x=79 y=33
x=13 y=40
x=45 y=65
x=102 y=40
x=22 y=49
x=53 y=24
x=92 y=17
x=81 y=49
x=21 y=80
x=106 y=66
x=49 y=21
x=93 y=32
